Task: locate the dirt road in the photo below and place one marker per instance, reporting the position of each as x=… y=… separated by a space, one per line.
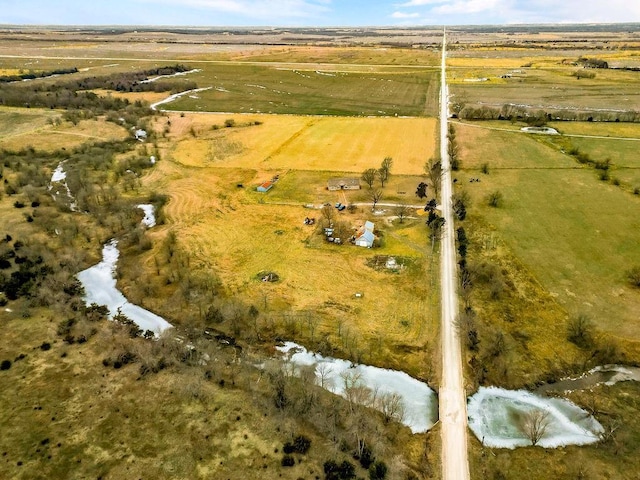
x=453 y=406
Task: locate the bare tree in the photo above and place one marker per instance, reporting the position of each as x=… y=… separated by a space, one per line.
x=329 y=213
x=323 y=376
x=433 y=170
x=401 y=210
x=369 y=176
x=580 y=331
x=534 y=424
x=375 y=195
x=391 y=406
x=385 y=170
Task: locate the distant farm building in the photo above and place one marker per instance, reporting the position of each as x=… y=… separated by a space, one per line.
x=265 y=187
x=140 y=135
x=366 y=238
x=344 y=183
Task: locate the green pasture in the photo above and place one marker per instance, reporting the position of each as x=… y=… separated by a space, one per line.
x=271 y=89
x=576 y=234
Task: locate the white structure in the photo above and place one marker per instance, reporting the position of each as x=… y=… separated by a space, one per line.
x=366 y=238
x=140 y=135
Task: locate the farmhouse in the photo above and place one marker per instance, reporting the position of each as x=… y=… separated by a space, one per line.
x=265 y=187
x=343 y=183
x=366 y=238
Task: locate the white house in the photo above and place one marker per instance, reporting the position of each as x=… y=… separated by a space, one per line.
x=366 y=238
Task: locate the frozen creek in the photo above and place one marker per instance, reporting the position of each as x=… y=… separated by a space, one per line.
x=100 y=287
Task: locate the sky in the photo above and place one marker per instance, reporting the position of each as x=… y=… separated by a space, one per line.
x=219 y=13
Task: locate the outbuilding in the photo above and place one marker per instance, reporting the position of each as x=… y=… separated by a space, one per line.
x=343 y=183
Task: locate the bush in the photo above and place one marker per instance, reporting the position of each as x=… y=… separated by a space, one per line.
x=5 y=365
x=18 y=204
x=300 y=444
x=288 y=461
x=633 y=276
x=495 y=199
x=345 y=471
x=580 y=331
x=485 y=168
x=378 y=471
x=229 y=122
x=45 y=346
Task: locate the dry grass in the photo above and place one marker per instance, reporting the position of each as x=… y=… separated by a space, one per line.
x=309 y=143
x=43 y=136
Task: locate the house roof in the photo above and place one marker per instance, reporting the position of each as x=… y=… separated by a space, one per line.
x=343 y=181
x=369 y=226
x=368 y=236
x=266 y=184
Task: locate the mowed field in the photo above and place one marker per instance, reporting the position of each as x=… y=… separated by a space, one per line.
x=577 y=235
x=238 y=233
x=286 y=142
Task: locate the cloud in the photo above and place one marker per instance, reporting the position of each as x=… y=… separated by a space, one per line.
x=468 y=7
x=403 y=15
x=419 y=3
x=273 y=10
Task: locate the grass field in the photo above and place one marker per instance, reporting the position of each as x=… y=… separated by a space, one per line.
x=34 y=131
x=304 y=90
x=577 y=235
x=281 y=143
x=233 y=232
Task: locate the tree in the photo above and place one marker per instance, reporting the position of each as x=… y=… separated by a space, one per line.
x=329 y=213
x=580 y=331
x=369 y=176
x=375 y=196
x=431 y=205
x=385 y=170
x=435 y=223
x=534 y=424
x=433 y=169
x=392 y=407
x=401 y=211
x=421 y=191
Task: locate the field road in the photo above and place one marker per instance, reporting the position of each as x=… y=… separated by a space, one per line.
x=452 y=398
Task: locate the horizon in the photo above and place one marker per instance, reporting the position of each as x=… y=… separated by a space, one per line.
x=316 y=13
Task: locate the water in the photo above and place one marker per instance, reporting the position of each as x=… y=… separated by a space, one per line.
x=149 y=219
x=603 y=375
x=419 y=401
x=495 y=416
x=100 y=287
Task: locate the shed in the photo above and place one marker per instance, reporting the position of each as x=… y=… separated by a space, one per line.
x=365 y=239
x=343 y=183
x=265 y=187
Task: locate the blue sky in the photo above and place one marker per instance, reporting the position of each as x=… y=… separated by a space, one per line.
x=315 y=12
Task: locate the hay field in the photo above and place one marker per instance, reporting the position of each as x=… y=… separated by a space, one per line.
x=307 y=143
x=577 y=235
x=236 y=234
x=48 y=137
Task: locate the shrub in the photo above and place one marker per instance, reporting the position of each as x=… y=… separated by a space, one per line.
x=45 y=346
x=485 y=168
x=229 y=122
x=300 y=444
x=495 y=199
x=633 y=276
x=636 y=191
x=580 y=331
x=18 y=204
x=288 y=461
x=378 y=471
x=5 y=365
